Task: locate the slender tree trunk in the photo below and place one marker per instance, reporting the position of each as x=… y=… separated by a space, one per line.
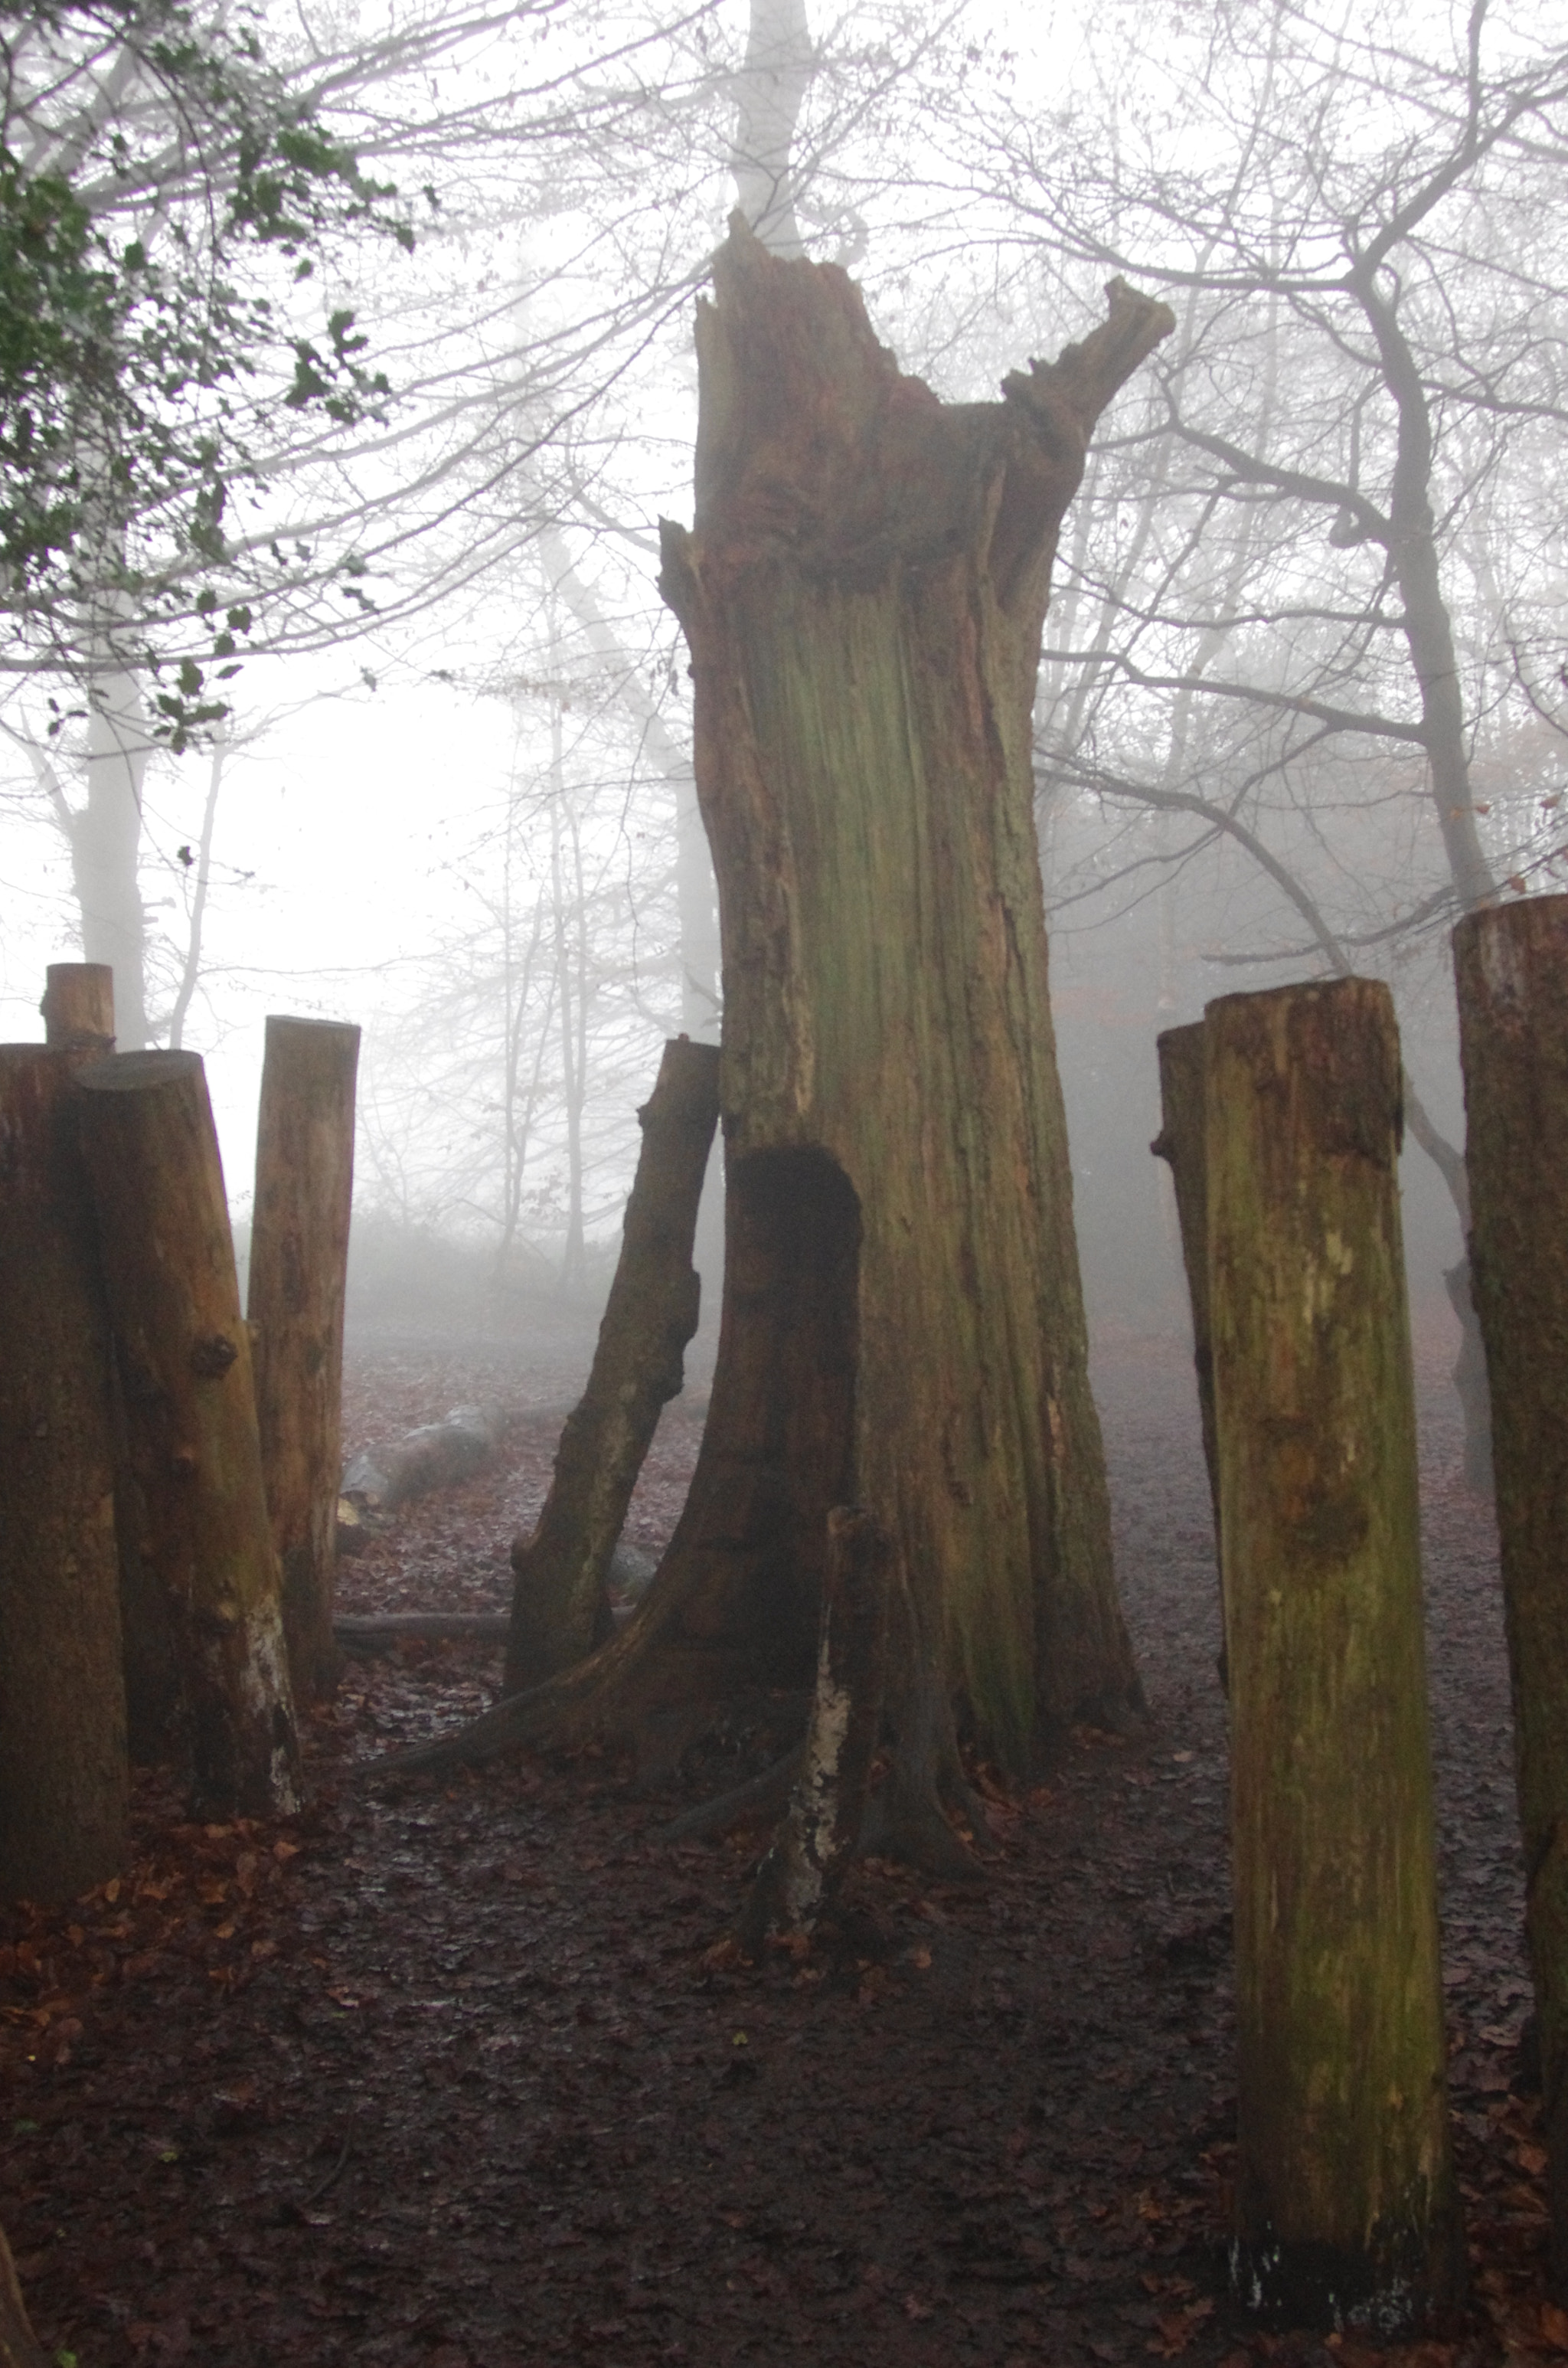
x=1181 y=1142
x=299 y=1265
x=106 y=845
x=1512 y=968
x=560 y=1609
x=185 y=1361
x=65 y=1781
x=1345 y=2201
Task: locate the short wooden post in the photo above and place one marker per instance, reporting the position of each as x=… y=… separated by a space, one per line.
x=1511 y=964
x=64 y=1777
x=299 y=1265
x=560 y=1610
x=185 y=1363
x=1180 y=1141
x=78 y=1007
x=1346 y=2204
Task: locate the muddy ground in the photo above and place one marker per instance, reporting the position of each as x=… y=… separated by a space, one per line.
x=448 y=2073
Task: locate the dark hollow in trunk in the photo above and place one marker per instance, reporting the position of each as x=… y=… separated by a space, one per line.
x=184 y=1365
x=65 y=1781
x=560 y=1607
x=1346 y=2204
x=298 y=1267
x=1511 y=965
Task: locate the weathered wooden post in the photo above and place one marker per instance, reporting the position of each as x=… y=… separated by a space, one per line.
x=299 y=1266
x=1346 y=2204
x=184 y=1364
x=1511 y=964
x=65 y=1781
x=78 y=1007
x=560 y=1610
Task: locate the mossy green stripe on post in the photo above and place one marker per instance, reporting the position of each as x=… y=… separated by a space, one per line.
x=1346 y=2204
x=1511 y=966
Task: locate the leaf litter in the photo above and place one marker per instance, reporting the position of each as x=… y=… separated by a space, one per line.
x=465 y=2074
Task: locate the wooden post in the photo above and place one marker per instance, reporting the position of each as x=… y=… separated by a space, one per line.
x=299 y=1265
x=560 y=1610
x=64 y=1781
x=1180 y=1140
x=1345 y=2205
x=820 y=1828
x=78 y=1007
x=1511 y=963
x=185 y=1363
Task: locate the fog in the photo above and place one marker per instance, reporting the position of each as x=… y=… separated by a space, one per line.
x=1301 y=704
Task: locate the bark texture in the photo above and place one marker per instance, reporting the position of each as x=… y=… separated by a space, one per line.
x=78 y=1007
x=560 y=1607
x=1345 y=2201
x=862 y=596
x=1512 y=970
x=299 y=1268
x=185 y=1363
x=821 y=1827
x=65 y=1781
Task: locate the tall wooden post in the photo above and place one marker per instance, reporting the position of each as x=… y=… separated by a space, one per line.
x=185 y=1363
x=1345 y=2201
x=1512 y=970
x=63 y=1776
x=78 y=1007
x=299 y=1266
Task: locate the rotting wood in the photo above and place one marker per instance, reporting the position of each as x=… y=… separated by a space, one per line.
x=78 y=1008
x=184 y=1364
x=819 y=1831
x=560 y=1608
x=65 y=1779
x=435 y=1455
x=1511 y=966
x=299 y=1265
x=1180 y=1144
x=1346 y=2204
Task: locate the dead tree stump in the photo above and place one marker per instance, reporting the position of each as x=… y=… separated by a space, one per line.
x=78 y=1007
x=1345 y=2205
x=560 y=1607
x=1512 y=970
x=820 y=1828
x=298 y=1267
x=184 y=1364
x=64 y=1781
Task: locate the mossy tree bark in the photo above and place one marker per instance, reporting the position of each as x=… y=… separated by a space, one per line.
x=64 y=1779
x=299 y=1268
x=560 y=1607
x=1512 y=970
x=902 y=1325
x=1345 y=2201
x=185 y=1363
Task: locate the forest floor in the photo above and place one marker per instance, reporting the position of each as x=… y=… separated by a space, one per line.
x=453 y=2074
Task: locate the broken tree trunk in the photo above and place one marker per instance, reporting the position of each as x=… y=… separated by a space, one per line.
x=184 y=1365
x=1512 y=972
x=821 y=1827
x=64 y=1779
x=560 y=1607
x=299 y=1266
x=1180 y=1141
x=436 y=1455
x=903 y=1321
x=1344 y=2198
x=78 y=1008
